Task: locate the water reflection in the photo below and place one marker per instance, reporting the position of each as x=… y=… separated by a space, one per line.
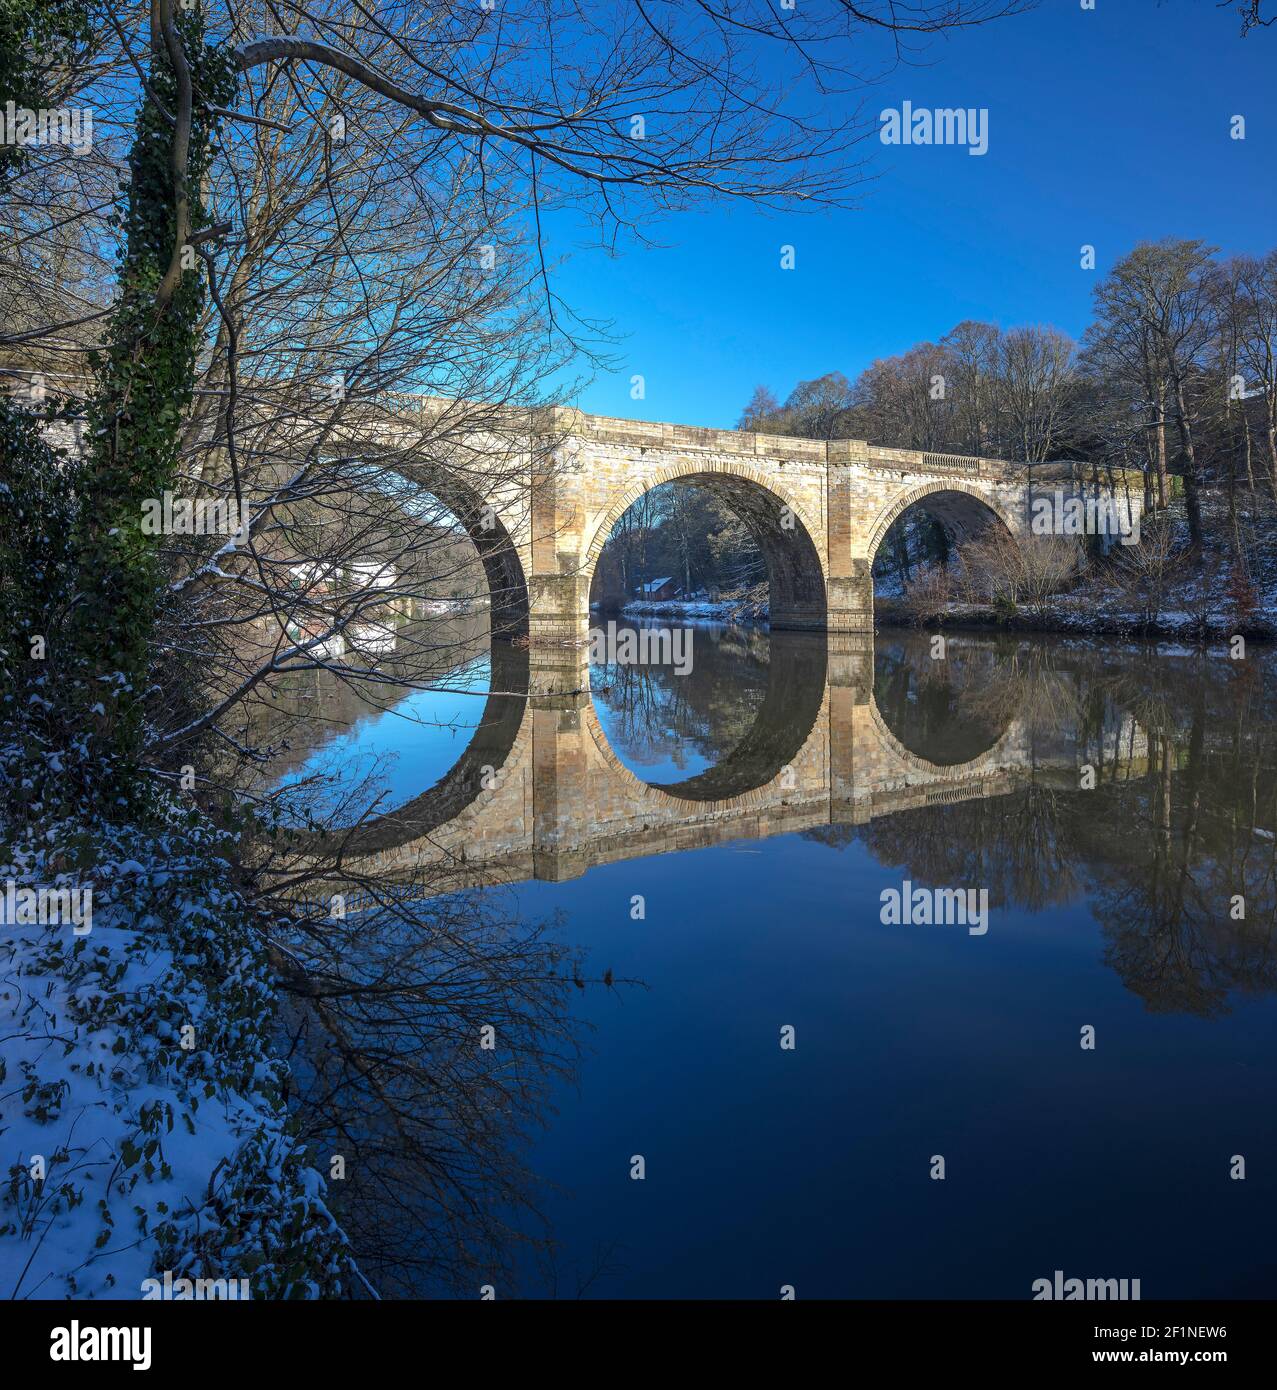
x=726 y=726
x=342 y=744
x=1047 y=771
x=1172 y=846
x=945 y=711
x=1118 y=805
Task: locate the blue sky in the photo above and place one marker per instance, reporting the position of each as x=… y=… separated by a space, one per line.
x=1105 y=127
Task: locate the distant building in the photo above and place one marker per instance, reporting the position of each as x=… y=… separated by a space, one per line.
x=312 y=577
x=658 y=589
x=372 y=574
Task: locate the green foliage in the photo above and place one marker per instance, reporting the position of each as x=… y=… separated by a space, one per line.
x=37 y=486
x=1005 y=608
x=38 y=43
x=169 y=1012
x=37 y=593
x=145 y=386
x=79 y=573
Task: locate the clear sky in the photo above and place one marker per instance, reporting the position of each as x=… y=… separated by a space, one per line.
x=1105 y=127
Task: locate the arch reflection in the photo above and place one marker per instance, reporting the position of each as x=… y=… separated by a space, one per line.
x=937 y=708
x=741 y=718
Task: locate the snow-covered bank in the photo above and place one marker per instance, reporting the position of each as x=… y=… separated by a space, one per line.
x=677 y=608
x=1084 y=615
x=143 y=1126
x=1078 y=614
x=702 y=610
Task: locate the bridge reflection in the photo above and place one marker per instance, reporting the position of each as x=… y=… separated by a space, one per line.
x=840 y=736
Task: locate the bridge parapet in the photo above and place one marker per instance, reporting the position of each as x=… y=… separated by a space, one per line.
x=657 y=434
x=968 y=465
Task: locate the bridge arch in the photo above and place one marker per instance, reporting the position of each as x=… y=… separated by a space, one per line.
x=493 y=537
x=965 y=508
x=790 y=540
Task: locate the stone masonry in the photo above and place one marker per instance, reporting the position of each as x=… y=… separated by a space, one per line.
x=817 y=509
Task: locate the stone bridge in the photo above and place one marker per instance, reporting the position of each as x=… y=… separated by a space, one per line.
x=817 y=509
x=539 y=793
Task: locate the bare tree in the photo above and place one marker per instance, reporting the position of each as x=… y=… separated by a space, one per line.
x=1250 y=12
x=760 y=410
x=1153 y=312
x=1256 y=290
x=973 y=386
x=1143 y=573
x=1036 y=391
x=1012 y=574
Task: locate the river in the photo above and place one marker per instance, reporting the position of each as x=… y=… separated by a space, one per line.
x=784 y=1085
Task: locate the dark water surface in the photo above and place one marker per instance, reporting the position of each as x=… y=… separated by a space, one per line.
x=1117 y=804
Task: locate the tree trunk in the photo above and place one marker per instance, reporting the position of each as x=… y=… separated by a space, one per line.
x=1159 y=432
x=1192 y=494
x=1272 y=441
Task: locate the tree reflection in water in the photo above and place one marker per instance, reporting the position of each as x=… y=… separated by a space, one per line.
x=673 y=727
x=745 y=718
x=1174 y=847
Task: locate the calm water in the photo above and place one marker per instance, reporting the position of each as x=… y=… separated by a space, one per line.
x=1115 y=803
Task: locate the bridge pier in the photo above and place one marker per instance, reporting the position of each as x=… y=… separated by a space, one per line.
x=559 y=635
x=849 y=592
x=559 y=674
x=851 y=602
x=560 y=788
x=851 y=686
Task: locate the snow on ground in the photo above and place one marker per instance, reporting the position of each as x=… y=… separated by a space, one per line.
x=678 y=608
x=91 y=1118
x=142 y=1127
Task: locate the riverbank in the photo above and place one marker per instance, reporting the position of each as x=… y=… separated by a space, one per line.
x=1083 y=613
x=704 y=610
x=143 y=1108
x=1082 y=616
